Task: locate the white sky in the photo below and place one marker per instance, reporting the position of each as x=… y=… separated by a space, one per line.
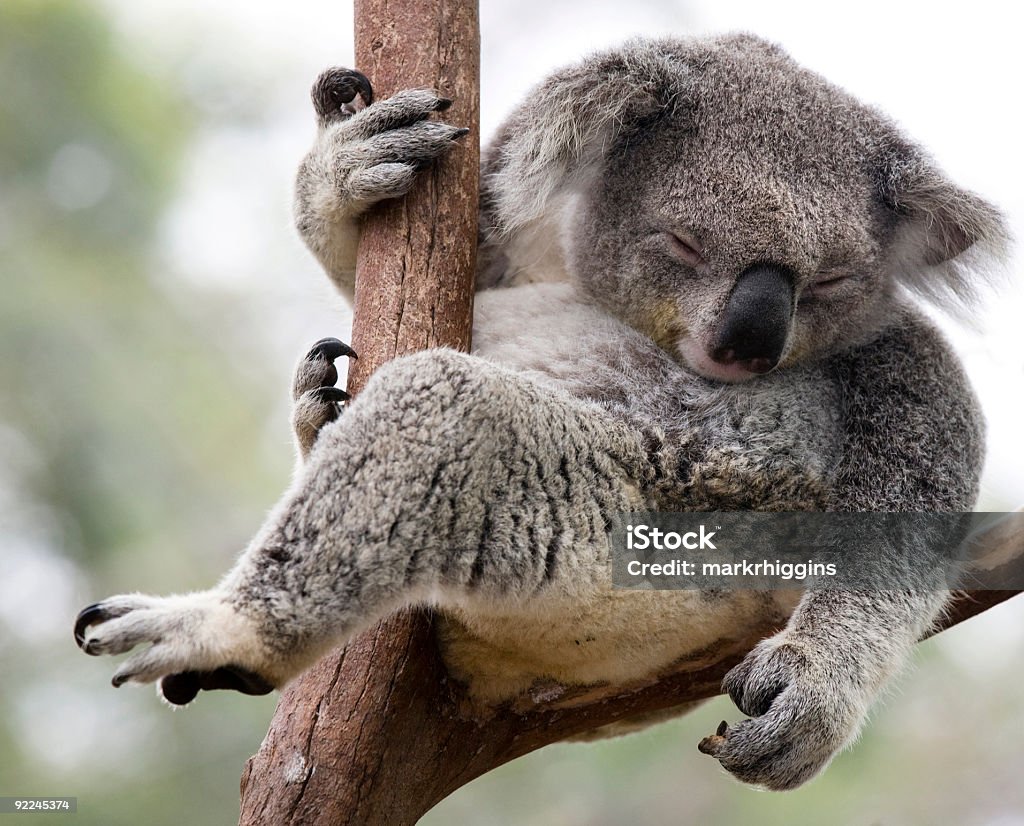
x=947 y=72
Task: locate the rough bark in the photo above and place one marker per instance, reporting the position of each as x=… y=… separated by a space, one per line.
x=417 y=255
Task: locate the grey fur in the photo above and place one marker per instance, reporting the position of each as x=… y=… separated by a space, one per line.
x=635 y=187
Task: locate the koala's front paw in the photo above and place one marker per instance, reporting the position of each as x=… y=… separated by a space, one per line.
x=198 y=642
x=317 y=400
x=803 y=712
x=368 y=155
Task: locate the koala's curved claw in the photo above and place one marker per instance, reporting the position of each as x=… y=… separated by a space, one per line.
x=119 y=679
x=335 y=90
x=89 y=615
x=331 y=394
x=180 y=689
x=713 y=743
x=317 y=370
x=331 y=349
x=316 y=398
x=93 y=615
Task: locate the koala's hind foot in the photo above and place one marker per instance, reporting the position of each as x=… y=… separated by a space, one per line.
x=198 y=641
x=317 y=401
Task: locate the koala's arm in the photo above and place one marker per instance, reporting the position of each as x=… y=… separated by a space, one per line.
x=914 y=443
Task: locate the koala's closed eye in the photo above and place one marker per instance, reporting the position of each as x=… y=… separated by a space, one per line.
x=684 y=247
x=827 y=283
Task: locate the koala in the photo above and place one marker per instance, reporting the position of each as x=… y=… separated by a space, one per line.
x=699 y=284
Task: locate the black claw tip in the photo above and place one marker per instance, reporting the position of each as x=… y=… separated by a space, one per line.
x=336 y=89
x=443 y=104
x=88 y=616
x=461 y=133
x=119 y=680
x=330 y=349
x=332 y=394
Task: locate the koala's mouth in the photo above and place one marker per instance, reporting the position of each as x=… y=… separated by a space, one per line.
x=695 y=356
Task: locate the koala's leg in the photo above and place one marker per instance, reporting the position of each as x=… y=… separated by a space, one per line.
x=316 y=400
x=360 y=158
x=449 y=479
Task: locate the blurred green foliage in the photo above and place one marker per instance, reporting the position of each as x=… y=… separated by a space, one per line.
x=127 y=429
x=107 y=374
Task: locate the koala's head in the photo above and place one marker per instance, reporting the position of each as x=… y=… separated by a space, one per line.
x=740 y=210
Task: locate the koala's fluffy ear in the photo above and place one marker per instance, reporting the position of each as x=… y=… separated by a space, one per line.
x=567 y=124
x=948 y=239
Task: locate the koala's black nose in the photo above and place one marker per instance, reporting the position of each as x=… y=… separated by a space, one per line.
x=753 y=328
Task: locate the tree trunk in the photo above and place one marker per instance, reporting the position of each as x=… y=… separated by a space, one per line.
x=339 y=747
